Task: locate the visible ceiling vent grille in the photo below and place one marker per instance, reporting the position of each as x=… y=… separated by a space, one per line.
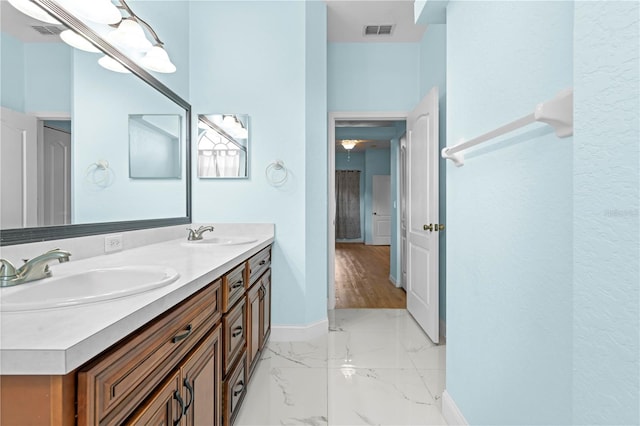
x=370 y=30
x=47 y=29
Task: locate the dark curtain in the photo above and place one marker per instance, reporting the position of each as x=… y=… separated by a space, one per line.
x=348 y=204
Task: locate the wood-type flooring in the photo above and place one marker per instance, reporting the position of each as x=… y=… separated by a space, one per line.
x=362 y=278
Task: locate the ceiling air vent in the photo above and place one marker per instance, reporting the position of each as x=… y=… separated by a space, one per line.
x=47 y=29
x=370 y=30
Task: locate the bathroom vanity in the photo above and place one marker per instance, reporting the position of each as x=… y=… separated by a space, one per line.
x=178 y=355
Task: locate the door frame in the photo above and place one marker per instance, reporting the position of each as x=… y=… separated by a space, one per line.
x=331 y=205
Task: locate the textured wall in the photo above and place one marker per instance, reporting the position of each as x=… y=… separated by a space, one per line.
x=264 y=58
x=606 y=213
x=372 y=76
x=509 y=235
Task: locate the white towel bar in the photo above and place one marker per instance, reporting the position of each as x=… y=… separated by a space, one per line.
x=557 y=112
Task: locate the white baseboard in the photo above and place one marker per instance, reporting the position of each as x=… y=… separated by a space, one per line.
x=298 y=333
x=450 y=411
x=394 y=281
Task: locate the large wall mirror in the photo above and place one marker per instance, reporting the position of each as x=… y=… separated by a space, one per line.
x=67 y=162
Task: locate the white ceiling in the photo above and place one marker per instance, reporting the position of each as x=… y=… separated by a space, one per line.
x=19 y=25
x=347 y=19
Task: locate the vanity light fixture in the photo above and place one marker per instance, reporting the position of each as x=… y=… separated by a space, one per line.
x=234 y=127
x=74 y=39
x=128 y=32
x=112 y=65
x=31 y=9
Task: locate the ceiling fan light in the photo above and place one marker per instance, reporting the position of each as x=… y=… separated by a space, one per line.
x=158 y=60
x=73 y=39
x=112 y=65
x=34 y=11
x=129 y=34
x=349 y=144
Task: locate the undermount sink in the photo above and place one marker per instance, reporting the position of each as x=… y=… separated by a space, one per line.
x=220 y=241
x=86 y=287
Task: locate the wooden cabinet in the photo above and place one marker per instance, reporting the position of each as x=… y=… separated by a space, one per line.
x=235 y=387
x=258 y=318
x=188 y=367
x=113 y=385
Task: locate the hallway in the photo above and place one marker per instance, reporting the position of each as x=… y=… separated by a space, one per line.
x=375 y=366
x=362 y=278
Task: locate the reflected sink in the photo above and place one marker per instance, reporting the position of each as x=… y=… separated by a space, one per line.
x=220 y=241
x=86 y=287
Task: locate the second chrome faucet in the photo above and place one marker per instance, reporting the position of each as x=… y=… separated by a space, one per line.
x=196 y=234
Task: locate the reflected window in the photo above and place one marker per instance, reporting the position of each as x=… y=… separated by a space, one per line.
x=222 y=146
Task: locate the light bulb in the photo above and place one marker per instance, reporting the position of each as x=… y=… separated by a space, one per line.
x=100 y=11
x=112 y=65
x=75 y=40
x=129 y=34
x=34 y=11
x=157 y=60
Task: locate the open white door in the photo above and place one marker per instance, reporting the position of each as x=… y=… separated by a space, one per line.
x=381 y=216
x=422 y=218
x=18 y=170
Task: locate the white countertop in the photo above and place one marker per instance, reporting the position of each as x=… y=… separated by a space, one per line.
x=57 y=341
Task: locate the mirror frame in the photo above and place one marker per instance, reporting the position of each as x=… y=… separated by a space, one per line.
x=35 y=234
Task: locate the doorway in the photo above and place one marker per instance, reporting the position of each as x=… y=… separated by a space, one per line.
x=365 y=270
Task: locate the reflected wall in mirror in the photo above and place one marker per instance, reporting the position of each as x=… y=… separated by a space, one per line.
x=223 y=146
x=65 y=152
x=154 y=146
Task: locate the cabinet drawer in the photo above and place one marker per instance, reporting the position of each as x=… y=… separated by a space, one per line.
x=234 y=334
x=110 y=388
x=232 y=287
x=235 y=387
x=259 y=263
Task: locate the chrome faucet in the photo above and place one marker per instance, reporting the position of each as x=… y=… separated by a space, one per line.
x=196 y=235
x=33 y=269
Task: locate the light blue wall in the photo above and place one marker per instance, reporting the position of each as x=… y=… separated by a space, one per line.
x=36 y=77
x=373 y=76
x=377 y=162
x=12 y=93
x=48 y=77
x=251 y=57
x=354 y=161
x=433 y=72
x=606 y=214
x=509 y=235
x=316 y=160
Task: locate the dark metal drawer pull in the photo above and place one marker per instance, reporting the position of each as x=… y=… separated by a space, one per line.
x=237 y=331
x=237 y=284
x=237 y=391
x=176 y=396
x=182 y=336
x=262 y=262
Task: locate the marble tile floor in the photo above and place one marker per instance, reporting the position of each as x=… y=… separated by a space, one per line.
x=375 y=367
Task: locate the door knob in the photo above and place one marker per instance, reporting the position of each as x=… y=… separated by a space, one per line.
x=428 y=227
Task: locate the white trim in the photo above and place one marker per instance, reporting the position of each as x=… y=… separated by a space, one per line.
x=443 y=329
x=331 y=164
x=450 y=411
x=46 y=115
x=394 y=281
x=298 y=333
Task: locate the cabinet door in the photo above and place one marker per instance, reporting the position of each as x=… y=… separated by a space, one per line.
x=163 y=408
x=200 y=381
x=254 y=333
x=265 y=308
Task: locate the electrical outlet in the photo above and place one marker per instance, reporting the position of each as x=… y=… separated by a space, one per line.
x=113 y=243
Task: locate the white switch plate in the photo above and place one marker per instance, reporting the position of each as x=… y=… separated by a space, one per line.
x=113 y=243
